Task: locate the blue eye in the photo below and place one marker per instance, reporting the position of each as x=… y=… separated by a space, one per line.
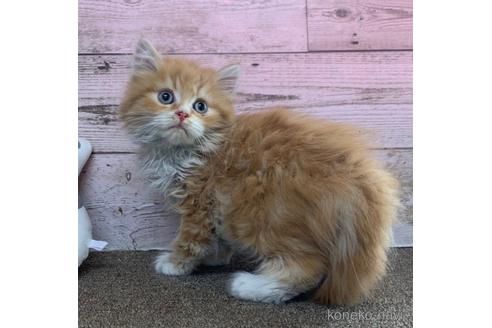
x=166 y=97
x=200 y=106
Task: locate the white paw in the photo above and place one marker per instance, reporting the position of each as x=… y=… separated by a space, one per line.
x=164 y=265
x=259 y=288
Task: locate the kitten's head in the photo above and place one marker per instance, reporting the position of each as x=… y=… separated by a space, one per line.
x=175 y=102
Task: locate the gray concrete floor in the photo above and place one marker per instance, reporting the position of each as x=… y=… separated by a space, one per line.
x=120 y=289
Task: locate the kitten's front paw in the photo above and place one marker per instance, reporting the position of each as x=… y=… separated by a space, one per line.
x=164 y=265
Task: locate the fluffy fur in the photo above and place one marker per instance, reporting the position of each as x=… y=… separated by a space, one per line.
x=301 y=194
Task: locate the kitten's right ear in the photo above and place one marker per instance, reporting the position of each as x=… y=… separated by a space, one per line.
x=228 y=77
x=146 y=57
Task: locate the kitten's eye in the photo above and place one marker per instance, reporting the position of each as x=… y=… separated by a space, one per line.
x=166 y=97
x=200 y=106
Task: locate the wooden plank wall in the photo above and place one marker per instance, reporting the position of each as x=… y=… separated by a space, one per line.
x=343 y=60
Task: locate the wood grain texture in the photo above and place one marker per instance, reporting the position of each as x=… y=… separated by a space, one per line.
x=127 y=213
x=372 y=90
x=187 y=26
x=359 y=24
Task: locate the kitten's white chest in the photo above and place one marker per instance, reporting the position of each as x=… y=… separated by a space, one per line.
x=166 y=169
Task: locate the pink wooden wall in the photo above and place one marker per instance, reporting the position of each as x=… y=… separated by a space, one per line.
x=343 y=60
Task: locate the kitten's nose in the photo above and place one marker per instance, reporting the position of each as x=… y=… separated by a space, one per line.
x=182 y=115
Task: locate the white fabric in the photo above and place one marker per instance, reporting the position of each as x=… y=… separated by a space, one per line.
x=85 y=234
x=85 y=150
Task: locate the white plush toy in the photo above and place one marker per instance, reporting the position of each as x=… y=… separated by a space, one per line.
x=85 y=227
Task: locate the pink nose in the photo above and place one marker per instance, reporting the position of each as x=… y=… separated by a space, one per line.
x=182 y=115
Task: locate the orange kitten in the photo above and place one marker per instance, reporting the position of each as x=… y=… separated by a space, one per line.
x=301 y=194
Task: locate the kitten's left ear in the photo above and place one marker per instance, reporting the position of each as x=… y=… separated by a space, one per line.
x=228 y=77
x=146 y=57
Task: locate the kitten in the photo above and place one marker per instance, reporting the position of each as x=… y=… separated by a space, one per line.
x=301 y=194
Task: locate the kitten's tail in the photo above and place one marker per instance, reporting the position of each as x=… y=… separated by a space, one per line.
x=352 y=275
x=353 y=278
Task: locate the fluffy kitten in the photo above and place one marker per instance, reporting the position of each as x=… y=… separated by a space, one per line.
x=301 y=194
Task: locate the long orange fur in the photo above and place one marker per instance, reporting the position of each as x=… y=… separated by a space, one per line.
x=303 y=195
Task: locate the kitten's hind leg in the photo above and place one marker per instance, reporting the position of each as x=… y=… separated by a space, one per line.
x=276 y=280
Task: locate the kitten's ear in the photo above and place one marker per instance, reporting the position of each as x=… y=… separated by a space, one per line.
x=146 y=57
x=228 y=77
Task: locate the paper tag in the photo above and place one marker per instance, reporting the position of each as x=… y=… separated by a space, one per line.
x=98 y=245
